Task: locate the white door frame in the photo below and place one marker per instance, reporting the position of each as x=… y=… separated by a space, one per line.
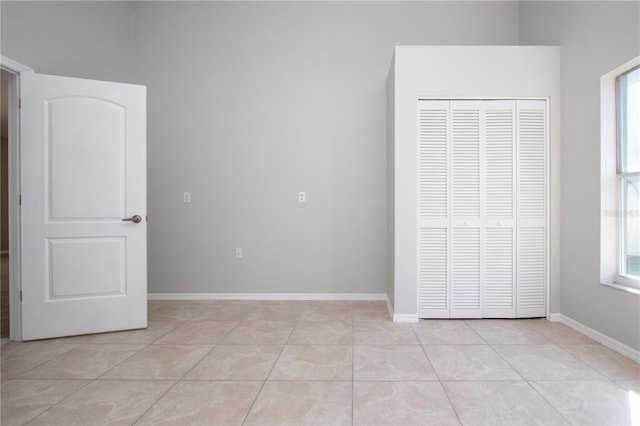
x=15 y=307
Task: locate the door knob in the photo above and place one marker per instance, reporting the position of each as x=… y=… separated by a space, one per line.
x=135 y=219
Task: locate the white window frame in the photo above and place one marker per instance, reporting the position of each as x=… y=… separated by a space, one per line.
x=610 y=201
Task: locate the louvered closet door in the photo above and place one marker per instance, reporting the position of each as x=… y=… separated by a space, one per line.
x=499 y=245
x=482 y=206
x=433 y=209
x=532 y=208
x=465 y=219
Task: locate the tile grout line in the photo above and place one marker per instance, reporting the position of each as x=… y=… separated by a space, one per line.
x=59 y=402
x=594 y=368
x=530 y=385
x=51 y=359
x=516 y=371
x=123 y=360
x=178 y=324
x=244 y=419
x=155 y=402
x=154 y=380
x=179 y=380
x=466 y=322
x=439 y=379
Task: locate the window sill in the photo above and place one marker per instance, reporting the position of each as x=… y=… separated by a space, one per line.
x=622 y=287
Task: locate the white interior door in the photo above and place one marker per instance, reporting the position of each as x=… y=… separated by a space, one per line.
x=83 y=170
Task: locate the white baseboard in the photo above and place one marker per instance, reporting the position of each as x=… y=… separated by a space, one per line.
x=400 y=317
x=267 y=296
x=617 y=346
x=389 y=305
x=405 y=318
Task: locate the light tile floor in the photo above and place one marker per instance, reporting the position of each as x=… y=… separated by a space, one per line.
x=305 y=363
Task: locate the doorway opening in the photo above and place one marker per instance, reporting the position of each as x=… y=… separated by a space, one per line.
x=4 y=208
x=10 y=285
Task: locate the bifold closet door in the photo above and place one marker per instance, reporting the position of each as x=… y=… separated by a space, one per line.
x=498 y=214
x=483 y=249
x=482 y=209
x=450 y=185
x=532 y=208
x=433 y=209
x=466 y=208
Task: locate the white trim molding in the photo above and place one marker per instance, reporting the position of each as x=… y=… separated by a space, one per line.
x=610 y=211
x=405 y=318
x=400 y=317
x=13 y=66
x=607 y=341
x=389 y=305
x=15 y=70
x=626 y=288
x=268 y=296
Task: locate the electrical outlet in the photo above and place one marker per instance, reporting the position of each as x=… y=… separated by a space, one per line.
x=238 y=253
x=302 y=197
x=187 y=197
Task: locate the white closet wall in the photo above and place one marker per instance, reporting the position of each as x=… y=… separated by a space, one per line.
x=482 y=203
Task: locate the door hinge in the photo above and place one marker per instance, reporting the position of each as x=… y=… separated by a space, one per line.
x=21 y=295
x=20 y=199
x=20 y=103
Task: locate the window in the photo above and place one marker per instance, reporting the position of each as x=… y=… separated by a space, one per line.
x=620 y=177
x=628 y=175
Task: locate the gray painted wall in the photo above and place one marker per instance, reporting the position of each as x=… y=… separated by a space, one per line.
x=75 y=39
x=595 y=38
x=250 y=103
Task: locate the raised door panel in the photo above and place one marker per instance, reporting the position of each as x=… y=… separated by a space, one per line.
x=86 y=156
